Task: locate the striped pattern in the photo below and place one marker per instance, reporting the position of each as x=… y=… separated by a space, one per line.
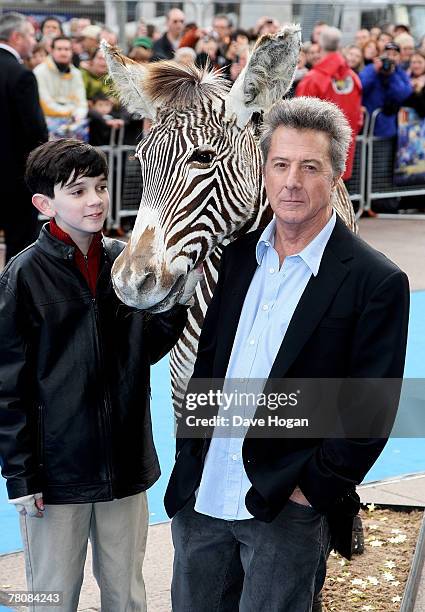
x=224 y=201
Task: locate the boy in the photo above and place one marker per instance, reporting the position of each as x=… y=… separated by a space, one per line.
x=102 y=120
x=76 y=442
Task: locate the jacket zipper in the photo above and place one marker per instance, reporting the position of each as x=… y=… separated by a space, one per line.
x=106 y=403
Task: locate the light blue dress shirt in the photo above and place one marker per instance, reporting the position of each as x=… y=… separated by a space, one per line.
x=270 y=302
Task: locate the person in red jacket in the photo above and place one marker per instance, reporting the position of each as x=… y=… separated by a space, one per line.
x=333 y=80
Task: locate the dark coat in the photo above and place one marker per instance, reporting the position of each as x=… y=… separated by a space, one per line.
x=22 y=125
x=351 y=322
x=75 y=379
x=22 y=128
x=162 y=49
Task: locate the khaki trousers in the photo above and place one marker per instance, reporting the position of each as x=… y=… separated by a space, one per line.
x=55 y=549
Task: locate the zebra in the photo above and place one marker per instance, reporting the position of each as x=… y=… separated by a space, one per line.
x=202 y=178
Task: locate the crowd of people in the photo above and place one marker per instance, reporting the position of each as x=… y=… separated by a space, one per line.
x=384 y=67
x=71 y=70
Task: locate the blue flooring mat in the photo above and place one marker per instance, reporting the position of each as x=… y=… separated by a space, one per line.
x=400 y=456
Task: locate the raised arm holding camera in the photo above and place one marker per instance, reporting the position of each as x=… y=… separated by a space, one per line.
x=386 y=86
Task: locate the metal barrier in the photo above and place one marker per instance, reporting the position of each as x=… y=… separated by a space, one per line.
x=128 y=179
x=372 y=177
x=380 y=172
x=356 y=185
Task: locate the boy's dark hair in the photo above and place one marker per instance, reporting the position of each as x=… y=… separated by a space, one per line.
x=61 y=161
x=61 y=37
x=100 y=95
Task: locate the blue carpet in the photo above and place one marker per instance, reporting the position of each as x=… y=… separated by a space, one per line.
x=400 y=456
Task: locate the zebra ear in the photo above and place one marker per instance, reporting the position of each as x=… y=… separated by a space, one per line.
x=267 y=76
x=128 y=77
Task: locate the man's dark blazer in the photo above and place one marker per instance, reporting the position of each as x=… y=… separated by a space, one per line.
x=22 y=128
x=351 y=322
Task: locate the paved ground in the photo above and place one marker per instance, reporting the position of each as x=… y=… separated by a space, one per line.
x=404 y=242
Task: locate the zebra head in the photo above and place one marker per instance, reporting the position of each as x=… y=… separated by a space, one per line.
x=200 y=163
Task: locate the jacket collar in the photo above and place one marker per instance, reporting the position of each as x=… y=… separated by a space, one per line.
x=51 y=245
x=12 y=51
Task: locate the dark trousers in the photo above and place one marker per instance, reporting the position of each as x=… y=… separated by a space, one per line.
x=249 y=565
x=18 y=218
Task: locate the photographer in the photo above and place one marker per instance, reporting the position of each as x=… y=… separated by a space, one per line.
x=386 y=86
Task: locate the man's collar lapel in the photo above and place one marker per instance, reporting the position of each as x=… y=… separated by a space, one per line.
x=245 y=265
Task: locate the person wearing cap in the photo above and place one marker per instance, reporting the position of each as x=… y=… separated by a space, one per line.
x=385 y=86
x=90 y=38
x=142 y=50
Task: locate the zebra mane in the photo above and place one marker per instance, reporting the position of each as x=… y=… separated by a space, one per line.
x=170 y=85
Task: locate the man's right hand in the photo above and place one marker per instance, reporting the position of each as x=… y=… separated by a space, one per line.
x=32 y=505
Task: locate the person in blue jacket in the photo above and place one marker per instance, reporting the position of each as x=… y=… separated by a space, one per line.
x=386 y=86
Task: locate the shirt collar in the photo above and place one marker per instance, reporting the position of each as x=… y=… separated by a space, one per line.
x=12 y=51
x=311 y=254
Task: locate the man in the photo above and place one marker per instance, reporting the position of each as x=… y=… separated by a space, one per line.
x=362 y=37
x=50 y=28
x=61 y=86
x=407 y=49
x=90 y=39
x=22 y=129
x=312 y=54
x=317 y=29
x=386 y=86
x=332 y=79
x=305 y=298
x=165 y=47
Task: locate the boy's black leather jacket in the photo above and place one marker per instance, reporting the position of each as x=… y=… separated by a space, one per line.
x=74 y=379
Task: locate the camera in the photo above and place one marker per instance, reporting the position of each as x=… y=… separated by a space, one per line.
x=387 y=64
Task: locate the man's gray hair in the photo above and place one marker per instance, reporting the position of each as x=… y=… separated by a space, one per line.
x=330 y=39
x=11 y=22
x=310 y=114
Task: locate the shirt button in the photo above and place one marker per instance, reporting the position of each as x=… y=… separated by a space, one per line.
x=265 y=307
x=267 y=244
x=234 y=457
x=271 y=270
x=252 y=342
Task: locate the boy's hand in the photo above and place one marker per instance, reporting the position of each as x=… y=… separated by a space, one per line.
x=32 y=505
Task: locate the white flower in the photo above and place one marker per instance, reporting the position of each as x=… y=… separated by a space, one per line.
x=376 y=543
x=373 y=527
x=398 y=539
x=390 y=564
x=395 y=530
x=396 y=599
x=389 y=576
x=342 y=562
x=371 y=507
x=373 y=580
x=395 y=583
x=358 y=582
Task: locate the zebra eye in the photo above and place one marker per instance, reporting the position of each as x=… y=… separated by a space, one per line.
x=202 y=156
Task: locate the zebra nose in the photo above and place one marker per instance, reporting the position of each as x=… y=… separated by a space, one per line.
x=146 y=283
